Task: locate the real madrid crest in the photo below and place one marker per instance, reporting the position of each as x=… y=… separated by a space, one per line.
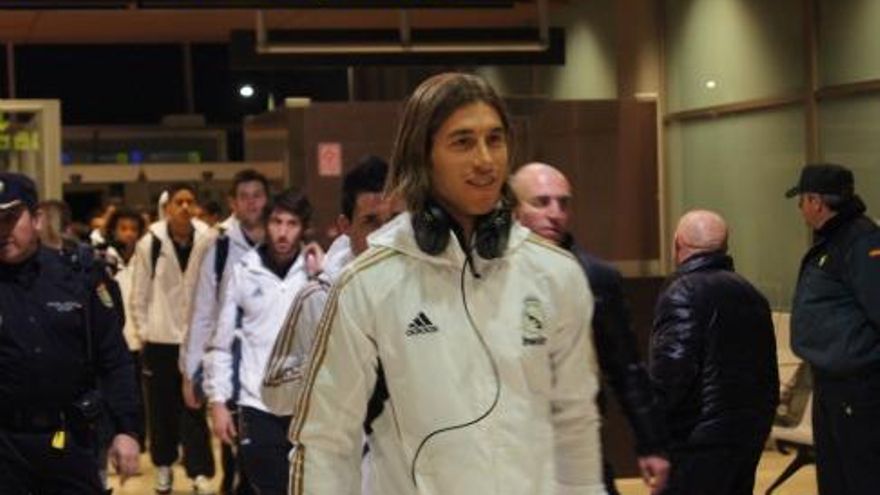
x=533 y=322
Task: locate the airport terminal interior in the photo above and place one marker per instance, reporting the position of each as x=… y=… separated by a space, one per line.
x=650 y=107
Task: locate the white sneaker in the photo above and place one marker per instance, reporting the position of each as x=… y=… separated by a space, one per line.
x=202 y=485
x=164 y=479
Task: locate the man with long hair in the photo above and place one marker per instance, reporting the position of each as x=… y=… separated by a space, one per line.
x=467 y=336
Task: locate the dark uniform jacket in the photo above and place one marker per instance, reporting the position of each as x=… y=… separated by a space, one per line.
x=836 y=311
x=44 y=305
x=713 y=355
x=617 y=352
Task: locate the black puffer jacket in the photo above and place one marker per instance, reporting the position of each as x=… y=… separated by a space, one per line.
x=713 y=355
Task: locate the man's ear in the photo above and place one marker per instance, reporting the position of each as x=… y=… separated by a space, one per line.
x=343 y=224
x=676 y=247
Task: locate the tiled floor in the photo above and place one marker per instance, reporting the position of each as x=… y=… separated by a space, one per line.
x=772 y=463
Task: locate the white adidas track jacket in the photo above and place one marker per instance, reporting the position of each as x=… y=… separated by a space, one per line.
x=206 y=300
x=264 y=299
x=514 y=417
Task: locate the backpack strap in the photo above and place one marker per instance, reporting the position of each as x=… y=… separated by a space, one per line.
x=155 y=251
x=221 y=254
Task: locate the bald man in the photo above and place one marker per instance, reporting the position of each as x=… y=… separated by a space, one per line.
x=543 y=195
x=713 y=364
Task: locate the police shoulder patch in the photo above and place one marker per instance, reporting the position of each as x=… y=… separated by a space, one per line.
x=104 y=295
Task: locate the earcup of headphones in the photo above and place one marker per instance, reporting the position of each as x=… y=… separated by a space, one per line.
x=493 y=232
x=431 y=227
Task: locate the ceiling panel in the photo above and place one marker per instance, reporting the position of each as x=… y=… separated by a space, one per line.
x=162 y=26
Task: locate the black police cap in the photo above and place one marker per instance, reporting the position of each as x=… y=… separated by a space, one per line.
x=17 y=189
x=824 y=178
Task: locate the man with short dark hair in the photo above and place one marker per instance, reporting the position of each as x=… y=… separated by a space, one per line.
x=166 y=267
x=230 y=240
x=713 y=364
x=59 y=336
x=124 y=228
x=257 y=294
x=835 y=327
x=210 y=213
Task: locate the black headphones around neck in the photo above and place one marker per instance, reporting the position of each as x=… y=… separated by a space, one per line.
x=432 y=225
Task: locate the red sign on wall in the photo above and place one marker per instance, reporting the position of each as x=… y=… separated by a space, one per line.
x=330 y=159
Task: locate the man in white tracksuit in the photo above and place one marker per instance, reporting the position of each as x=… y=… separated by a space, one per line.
x=166 y=266
x=259 y=291
x=243 y=230
x=476 y=330
x=236 y=235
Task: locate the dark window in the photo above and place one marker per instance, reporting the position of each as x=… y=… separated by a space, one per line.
x=104 y=84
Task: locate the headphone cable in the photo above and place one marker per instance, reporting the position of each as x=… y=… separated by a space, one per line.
x=495 y=374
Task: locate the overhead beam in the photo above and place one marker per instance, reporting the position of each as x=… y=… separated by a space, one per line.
x=406 y=43
x=382 y=47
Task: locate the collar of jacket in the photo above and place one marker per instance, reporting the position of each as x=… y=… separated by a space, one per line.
x=853 y=208
x=26 y=271
x=398 y=235
x=254 y=261
x=231 y=227
x=712 y=260
x=337 y=257
x=568 y=243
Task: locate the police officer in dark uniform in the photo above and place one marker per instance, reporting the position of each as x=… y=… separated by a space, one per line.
x=835 y=326
x=59 y=338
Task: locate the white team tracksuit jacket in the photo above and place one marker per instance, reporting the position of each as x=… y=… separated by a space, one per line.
x=514 y=417
x=160 y=303
x=264 y=299
x=206 y=300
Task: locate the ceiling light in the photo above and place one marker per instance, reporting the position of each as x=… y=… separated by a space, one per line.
x=246 y=91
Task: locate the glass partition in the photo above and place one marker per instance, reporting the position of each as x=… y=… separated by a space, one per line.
x=741 y=166
x=849 y=50
x=722 y=51
x=849 y=129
